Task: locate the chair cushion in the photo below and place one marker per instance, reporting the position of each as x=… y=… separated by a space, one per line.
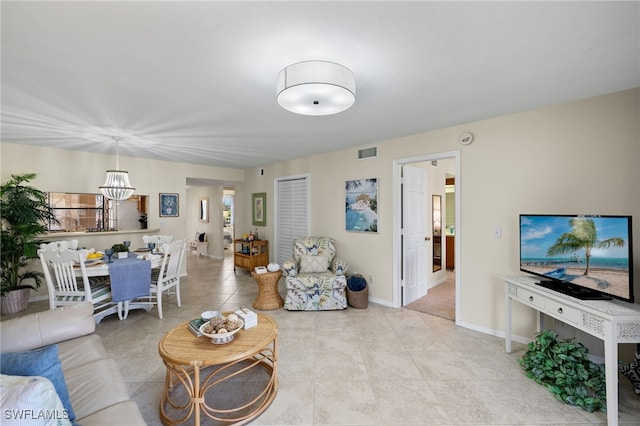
x=310 y=264
x=33 y=394
x=356 y=283
x=39 y=362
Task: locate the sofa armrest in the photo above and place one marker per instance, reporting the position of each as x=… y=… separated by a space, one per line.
x=45 y=328
x=339 y=266
x=290 y=267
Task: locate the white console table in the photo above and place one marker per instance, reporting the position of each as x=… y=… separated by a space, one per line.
x=612 y=321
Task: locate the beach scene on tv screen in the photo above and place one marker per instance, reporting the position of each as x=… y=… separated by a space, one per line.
x=589 y=251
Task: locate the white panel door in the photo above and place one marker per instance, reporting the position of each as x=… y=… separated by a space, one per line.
x=415 y=238
x=292 y=215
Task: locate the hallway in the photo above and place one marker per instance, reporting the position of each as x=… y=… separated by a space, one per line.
x=440 y=301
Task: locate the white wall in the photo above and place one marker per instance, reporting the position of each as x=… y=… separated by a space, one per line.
x=213 y=228
x=75 y=171
x=580 y=157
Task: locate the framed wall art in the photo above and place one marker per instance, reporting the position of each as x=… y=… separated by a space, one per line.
x=169 y=206
x=259 y=209
x=361 y=203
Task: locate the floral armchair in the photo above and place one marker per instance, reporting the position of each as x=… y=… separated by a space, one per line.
x=315 y=276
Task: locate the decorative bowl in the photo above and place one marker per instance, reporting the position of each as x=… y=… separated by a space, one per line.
x=220 y=338
x=273 y=267
x=207 y=315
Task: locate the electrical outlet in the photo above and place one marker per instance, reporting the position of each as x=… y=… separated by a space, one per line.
x=370 y=279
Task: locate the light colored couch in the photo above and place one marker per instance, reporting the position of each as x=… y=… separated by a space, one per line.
x=97 y=390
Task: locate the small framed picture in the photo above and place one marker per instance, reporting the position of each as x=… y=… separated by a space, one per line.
x=259 y=209
x=169 y=206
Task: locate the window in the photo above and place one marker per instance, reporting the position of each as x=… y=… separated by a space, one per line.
x=79 y=212
x=93 y=212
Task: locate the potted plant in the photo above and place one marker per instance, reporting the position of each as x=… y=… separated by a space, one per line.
x=25 y=213
x=121 y=249
x=564 y=368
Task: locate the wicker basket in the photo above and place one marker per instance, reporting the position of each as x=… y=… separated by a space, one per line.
x=358 y=299
x=15 y=301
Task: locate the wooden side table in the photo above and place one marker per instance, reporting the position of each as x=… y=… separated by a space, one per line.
x=268 y=296
x=202 y=370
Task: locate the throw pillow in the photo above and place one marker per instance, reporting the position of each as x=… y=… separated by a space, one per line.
x=356 y=283
x=310 y=264
x=39 y=362
x=201 y=237
x=632 y=372
x=31 y=399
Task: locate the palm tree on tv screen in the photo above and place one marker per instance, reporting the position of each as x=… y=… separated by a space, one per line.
x=583 y=235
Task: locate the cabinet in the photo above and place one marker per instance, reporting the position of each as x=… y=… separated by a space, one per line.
x=249 y=254
x=451 y=250
x=611 y=321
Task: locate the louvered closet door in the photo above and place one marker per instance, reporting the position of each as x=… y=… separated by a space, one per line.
x=292 y=214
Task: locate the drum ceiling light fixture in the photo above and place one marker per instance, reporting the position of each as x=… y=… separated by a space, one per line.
x=116 y=185
x=316 y=88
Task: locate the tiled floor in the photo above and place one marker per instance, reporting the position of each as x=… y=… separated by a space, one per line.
x=374 y=366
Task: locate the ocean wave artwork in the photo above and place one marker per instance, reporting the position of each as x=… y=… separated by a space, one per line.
x=361 y=205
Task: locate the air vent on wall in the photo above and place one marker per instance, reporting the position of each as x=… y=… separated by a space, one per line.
x=367 y=153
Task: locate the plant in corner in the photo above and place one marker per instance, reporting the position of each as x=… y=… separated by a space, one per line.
x=25 y=213
x=564 y=368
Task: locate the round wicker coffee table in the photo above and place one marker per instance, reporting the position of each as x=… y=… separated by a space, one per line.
x=268 y=297
x=230 y=383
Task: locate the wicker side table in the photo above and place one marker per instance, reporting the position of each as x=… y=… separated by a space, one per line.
x=268 y=296
x=199 y=372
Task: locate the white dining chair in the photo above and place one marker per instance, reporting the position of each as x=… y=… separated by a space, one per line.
x=169 y=275
x=159 y=240
x=65 y=289
x=60 y=245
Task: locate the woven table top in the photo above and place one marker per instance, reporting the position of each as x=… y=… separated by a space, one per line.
x=180 y=346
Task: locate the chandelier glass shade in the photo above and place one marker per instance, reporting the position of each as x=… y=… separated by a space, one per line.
x=316 y=88
x=116 y=184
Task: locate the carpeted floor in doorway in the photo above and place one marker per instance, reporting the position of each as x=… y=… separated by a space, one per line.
x=440 y=301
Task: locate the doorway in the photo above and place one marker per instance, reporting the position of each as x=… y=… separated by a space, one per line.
x=443 y=285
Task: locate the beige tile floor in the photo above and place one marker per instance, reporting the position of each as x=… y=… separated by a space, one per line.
x=374 y=366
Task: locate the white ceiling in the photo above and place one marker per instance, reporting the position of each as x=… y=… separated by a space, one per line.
x=195 y=81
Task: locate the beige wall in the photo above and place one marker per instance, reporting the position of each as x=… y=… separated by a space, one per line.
x=580 y=157
x=74 y=171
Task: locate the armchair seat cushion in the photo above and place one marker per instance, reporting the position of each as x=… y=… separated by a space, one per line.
x=318 y=292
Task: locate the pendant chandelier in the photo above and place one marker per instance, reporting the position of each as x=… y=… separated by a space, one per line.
x=316 y=88
x=116 y=185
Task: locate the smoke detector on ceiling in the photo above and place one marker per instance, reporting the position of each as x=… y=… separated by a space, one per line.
x=466 y=138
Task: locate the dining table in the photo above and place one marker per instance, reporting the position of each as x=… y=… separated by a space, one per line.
x=129 y=277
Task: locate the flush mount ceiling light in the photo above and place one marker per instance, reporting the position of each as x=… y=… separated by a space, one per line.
x=116 y=185
x=316 y=88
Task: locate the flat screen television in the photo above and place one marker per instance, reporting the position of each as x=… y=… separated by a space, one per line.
x=587 y=257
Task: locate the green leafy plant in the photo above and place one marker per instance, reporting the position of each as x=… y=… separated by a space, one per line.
x=564 y=368
x=25 y=214
x=119 y=248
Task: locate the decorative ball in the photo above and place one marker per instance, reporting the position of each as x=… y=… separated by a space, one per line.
x=273 y=267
